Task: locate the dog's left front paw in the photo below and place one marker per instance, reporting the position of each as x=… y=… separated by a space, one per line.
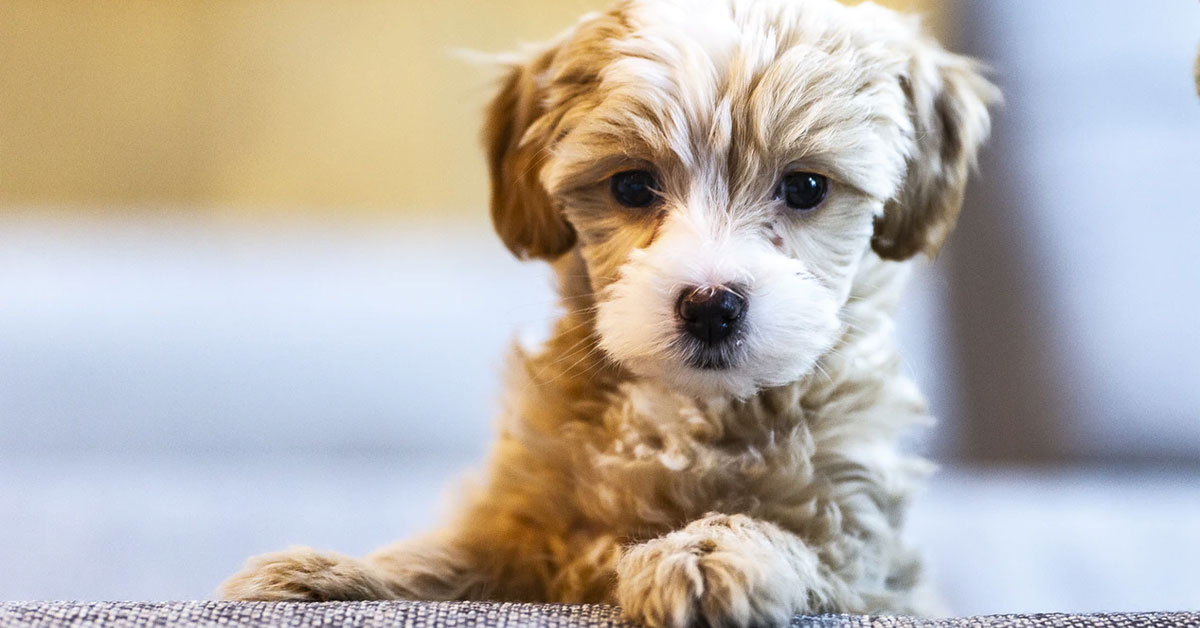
x=303 y=574
x=723 y=571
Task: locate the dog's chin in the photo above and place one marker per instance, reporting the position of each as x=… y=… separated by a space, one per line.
x=708 y=376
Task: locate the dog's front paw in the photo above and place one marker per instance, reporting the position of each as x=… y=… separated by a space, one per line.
x=303 y=574
x=727 y=571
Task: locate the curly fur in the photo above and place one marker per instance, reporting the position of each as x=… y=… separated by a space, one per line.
x=622 y=474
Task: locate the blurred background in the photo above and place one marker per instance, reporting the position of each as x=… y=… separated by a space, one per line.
x=249 y=296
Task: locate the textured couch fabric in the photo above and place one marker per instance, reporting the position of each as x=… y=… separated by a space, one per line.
x=483 y=615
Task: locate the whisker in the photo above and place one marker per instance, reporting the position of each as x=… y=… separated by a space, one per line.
x=822 y=371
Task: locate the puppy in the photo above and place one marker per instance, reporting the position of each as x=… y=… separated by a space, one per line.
x=728 y=191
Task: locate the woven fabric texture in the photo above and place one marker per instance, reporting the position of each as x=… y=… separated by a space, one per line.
x=483 y=615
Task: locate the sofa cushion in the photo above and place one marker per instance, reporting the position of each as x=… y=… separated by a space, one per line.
x=483 y=615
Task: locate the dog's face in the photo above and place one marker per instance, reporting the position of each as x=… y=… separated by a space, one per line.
x=722 y=168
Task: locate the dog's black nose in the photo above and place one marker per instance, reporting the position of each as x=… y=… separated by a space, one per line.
x=710 y=313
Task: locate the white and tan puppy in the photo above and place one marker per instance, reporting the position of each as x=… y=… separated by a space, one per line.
x=729 y=191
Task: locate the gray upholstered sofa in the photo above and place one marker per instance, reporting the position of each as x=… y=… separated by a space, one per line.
x=482 y=615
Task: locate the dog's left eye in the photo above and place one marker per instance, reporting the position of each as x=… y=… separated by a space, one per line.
x=635 y=188
x=802 y=190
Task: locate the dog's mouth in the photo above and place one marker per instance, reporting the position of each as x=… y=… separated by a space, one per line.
x=711 y=363
x=720 y=358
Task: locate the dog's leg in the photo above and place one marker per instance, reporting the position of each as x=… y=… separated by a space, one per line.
x=722 y=571
x=304 y=574
x=420 y=568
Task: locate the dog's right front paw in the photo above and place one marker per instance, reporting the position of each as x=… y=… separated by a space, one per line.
x=721 y=571
x=303 y=574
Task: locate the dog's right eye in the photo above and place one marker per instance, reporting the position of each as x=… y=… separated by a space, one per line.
x=635 y=188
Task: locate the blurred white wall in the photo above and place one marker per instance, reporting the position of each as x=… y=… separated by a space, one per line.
x=1075 y=284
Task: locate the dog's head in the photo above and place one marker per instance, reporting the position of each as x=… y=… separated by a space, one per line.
x=722 y=167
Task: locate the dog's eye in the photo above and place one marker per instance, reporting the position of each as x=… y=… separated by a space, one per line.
x=635 y=188
x=803 y=190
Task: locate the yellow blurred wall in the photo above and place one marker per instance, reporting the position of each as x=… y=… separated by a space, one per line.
x=255 y=106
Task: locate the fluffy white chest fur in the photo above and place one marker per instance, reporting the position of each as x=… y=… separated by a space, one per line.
x=729 y=192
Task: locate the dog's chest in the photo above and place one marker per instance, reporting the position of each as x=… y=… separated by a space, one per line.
x=659 y=458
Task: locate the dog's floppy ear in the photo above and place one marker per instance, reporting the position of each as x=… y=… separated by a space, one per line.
x=526 y=219
x=947 y=102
